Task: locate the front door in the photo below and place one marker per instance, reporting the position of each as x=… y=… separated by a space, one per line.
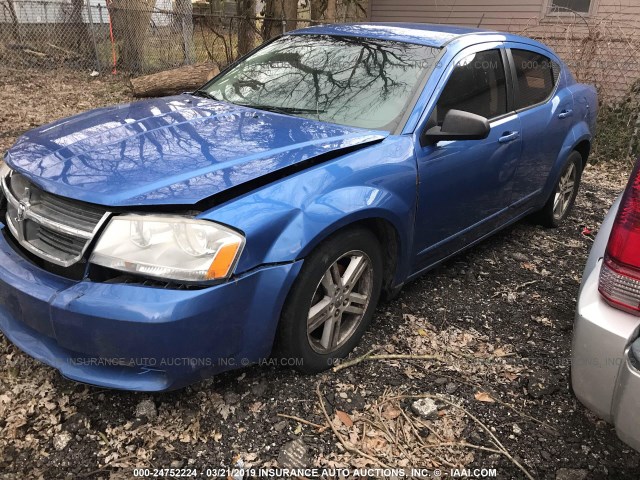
x=464 y=186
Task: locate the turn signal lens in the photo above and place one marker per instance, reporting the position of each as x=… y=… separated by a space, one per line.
x=619 y=281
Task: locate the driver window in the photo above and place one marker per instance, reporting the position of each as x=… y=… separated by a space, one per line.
x=477 y=85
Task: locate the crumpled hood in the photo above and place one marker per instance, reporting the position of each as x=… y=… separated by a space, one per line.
x=172 y=150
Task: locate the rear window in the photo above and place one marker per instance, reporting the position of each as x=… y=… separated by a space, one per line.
x=536 y=77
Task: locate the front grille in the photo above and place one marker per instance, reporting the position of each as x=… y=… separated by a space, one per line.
x=54 y=228
x=51 y=241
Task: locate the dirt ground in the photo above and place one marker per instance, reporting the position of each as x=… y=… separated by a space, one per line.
x=498 y=319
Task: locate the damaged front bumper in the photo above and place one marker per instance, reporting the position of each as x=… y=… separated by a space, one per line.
x=135 y=337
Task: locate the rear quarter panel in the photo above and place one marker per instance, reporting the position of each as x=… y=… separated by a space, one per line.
x=585 y=101
x=585 y=110
x=582 y=126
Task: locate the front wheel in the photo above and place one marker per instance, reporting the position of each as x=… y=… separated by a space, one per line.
x=564 y=194
x=332 y=301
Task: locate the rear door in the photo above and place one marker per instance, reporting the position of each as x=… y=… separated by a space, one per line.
x=545 y=113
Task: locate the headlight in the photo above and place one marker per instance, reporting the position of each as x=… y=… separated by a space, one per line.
x=169 y=247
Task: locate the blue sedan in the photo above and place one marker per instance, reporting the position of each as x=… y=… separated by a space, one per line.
x=146 y=246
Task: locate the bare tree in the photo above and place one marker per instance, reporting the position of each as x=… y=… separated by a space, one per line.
x=277 y=12
x=185 y=14
x=323 y=10
x=317 y=8
x=130 y=21
x=7 y=5
x=331 y=11
x=78 y=37
x=246 y=10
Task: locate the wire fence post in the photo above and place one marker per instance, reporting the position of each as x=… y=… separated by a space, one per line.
x=93 y=35
x=284 y=24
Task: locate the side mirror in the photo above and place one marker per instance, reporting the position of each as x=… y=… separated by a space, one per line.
x=457 y=125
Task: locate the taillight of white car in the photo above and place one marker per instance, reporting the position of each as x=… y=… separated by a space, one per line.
x=620 y=273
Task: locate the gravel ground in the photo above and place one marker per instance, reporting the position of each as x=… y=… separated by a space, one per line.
x=498 y=319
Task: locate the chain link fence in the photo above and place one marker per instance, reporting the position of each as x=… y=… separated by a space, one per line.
x=140 y=36
x=602 y=51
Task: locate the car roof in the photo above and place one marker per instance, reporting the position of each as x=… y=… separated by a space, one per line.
x=431 y=35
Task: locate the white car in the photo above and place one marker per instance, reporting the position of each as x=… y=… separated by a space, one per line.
x=605 y=368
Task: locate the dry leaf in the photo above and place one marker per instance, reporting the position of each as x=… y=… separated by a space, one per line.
x=499 y=352
x=375 y=444
x=344 y=418
x=510 y=376
x=422 y=332
x=391 y=413
x=528 y=266
x=484 y=397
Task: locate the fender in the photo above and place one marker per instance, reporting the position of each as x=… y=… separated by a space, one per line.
x=285 y=220
x=337 y=210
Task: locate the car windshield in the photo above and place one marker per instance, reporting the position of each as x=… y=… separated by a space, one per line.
x=360 y=82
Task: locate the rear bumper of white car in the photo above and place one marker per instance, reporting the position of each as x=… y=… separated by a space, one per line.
x=626 y=415
x=603 y=374
x=601 y=336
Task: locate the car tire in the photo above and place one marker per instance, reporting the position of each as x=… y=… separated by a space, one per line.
x=327 y=312
x=564 y=193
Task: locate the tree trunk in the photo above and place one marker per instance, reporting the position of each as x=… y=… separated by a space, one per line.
x=185 y=13
x=130 y=21
x=177 y=80
x=346 y=5
x=15 y=28
x=331 y=11
x=291 y=13
x=317 y=8
x=78 y=40
x=246 y=11
x=275 y=12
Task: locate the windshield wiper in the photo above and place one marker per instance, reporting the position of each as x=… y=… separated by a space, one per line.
x=285 y=110
x=205 y=94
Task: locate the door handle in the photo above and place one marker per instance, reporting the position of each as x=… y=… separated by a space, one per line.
x=509 y=137
x=565 y=113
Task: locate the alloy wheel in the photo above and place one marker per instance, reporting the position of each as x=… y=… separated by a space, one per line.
x=564 y=191
x=339 y=302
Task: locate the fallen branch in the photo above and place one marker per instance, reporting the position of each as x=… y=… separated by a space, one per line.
x=366 y=357
x=321 y=428
x=394 y=356
x=502 y=402
x=347 y=446
x=494 y=439
x=34 y=52
x=64 y=50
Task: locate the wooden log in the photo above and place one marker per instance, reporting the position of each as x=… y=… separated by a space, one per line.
x=176 y=80
x=69 y=53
